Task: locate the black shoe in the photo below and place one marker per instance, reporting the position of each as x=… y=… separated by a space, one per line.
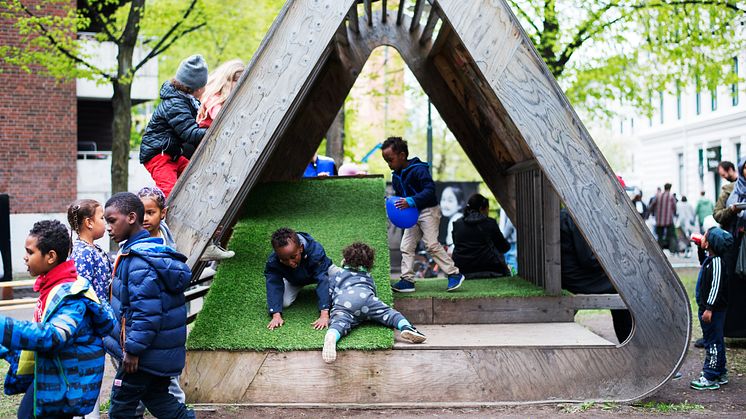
x=412 y=335
x=699 y=343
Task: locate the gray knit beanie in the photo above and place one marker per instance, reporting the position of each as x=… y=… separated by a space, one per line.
x=192 y=72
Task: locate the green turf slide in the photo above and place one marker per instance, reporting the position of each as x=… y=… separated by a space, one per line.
x=336 y=212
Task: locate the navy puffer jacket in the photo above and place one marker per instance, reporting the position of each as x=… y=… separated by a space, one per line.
x=173 y=129
x=148 y=293
x=415 y=181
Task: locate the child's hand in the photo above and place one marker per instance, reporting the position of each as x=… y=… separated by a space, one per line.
x=401 y=203
x=276 y=321
x=131 y=363
x=322 y=322
x=707 y=316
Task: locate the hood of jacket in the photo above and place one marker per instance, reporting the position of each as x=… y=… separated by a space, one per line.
x=414 y=163
x=170 y=264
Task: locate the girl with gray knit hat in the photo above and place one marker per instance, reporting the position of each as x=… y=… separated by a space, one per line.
x=172 y=134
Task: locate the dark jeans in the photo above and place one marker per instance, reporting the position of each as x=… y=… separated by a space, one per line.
x=712 y=332
x=667 y=237
x=26 y=408
x=152 y=390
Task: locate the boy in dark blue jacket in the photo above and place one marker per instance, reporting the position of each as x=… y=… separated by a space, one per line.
x=412 y=181
x=147 y=296
x=297 y=260
x=57 y=359
x=711 y=299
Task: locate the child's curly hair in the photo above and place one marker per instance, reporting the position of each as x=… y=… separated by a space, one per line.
x=359 y=255
x=52 y=235
x=283 y=236
x=154 y=193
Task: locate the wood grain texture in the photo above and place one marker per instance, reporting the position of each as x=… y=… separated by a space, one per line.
x=578 y=172
x=237 y=146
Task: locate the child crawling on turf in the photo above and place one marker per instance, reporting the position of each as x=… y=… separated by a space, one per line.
x=354 y=300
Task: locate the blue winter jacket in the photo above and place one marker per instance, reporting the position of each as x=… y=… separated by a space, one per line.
x=173 y=129
x=147 y=295
x=415 y=183
x=67 y=350
x=313 y=269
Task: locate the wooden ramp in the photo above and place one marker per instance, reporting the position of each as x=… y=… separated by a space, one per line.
x=497 y=96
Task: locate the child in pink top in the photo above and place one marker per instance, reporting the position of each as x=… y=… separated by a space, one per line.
x=219 y=86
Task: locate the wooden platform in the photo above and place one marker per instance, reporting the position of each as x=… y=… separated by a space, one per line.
x=476 y=336
x=490 y=310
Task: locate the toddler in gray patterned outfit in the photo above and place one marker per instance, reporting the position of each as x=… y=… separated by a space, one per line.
x=353 y=294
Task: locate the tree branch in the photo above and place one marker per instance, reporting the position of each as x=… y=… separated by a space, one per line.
x=104 y=23
x=64 y=51
x=163 y=48
x=525 y=15
x=165 y=39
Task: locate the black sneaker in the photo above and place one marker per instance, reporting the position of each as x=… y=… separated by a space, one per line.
x=699 y=343
x=723 y=379
x=412 y=335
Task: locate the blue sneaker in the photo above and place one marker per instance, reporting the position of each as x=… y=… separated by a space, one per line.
x=455 y=281
x=403 y=286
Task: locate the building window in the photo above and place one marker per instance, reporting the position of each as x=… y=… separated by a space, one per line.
x=678 y=101
x=621 y=126
x=734 y=85
x=697 y=96
x=714 y=100
x=682 y=189
x=738 y=152
x=660 y=100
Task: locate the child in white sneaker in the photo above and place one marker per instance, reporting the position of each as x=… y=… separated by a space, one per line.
x=354 y=300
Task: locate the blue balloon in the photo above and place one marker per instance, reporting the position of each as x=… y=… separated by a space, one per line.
x=402 y=218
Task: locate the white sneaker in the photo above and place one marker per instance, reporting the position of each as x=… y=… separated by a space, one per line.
x=215 y=252
x=207 y=272
x=329 y=353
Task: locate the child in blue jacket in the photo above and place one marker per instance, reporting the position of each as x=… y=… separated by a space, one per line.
x=711 y=299
x=147 y=296
x=57 y=359
x=412 y=181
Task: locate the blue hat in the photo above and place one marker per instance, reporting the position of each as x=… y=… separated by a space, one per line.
x=192 y=72
x=720 y=240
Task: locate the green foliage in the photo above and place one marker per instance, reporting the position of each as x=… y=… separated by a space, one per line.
x=336 y=212
x=475 y=288
x=661 y=407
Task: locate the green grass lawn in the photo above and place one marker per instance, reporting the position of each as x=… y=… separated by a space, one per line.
x=475 y=288
x=8 y=404
x=336 y=212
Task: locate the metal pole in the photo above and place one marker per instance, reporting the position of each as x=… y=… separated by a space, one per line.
x=430 y=134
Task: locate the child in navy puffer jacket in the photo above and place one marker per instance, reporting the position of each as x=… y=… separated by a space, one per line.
x=147 y=296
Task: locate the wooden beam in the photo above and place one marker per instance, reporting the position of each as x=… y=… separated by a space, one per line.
x=238 y=145
x=15 y=284
x=550 y=226
x=400 y=12
x=432 y=20
x=385 y=12
x=368 y=12
x=419 y=5
x=352 y=19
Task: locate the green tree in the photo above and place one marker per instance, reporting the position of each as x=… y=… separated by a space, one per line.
x=51 y=46
x=626 y=49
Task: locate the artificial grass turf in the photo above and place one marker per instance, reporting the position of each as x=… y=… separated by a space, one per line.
x=336 y=212
x=475 y=288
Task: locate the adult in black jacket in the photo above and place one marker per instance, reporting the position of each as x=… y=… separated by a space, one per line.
x=582 y=274
x=478 y=243
x=172 y=134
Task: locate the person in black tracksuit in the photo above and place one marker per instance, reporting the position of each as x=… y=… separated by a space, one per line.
x=582 y=274
x=712 y=301
x=478 y=243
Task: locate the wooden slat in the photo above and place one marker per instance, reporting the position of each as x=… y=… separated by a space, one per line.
x=352 y=19
x=196 y=292
x=17 y=302
x=592 y=302
x=550 y=225
x=368 y=12
x=18 y=307
x=432 y=20
x=500 y=310
x=419 y=5
x=16 y=284
x=400 y=12
x=238 y=145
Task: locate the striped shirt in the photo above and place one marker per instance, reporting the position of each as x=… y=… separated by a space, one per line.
x=665 y=209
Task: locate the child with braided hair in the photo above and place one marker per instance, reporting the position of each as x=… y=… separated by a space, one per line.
x=86 y=219
x=354 y=300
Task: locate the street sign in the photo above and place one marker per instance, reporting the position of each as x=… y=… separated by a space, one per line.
x=713 y=158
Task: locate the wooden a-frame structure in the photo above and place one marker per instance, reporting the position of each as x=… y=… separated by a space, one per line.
x=512 y=119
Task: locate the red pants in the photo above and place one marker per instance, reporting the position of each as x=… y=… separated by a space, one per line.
x=164 y=171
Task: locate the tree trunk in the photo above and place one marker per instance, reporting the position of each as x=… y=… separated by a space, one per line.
x=121 y=126
x=335 y=138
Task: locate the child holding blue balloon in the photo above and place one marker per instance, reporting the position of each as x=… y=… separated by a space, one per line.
x=415 y=188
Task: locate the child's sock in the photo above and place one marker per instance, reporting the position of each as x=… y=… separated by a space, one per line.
x=402 y=323
x=329 y=353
